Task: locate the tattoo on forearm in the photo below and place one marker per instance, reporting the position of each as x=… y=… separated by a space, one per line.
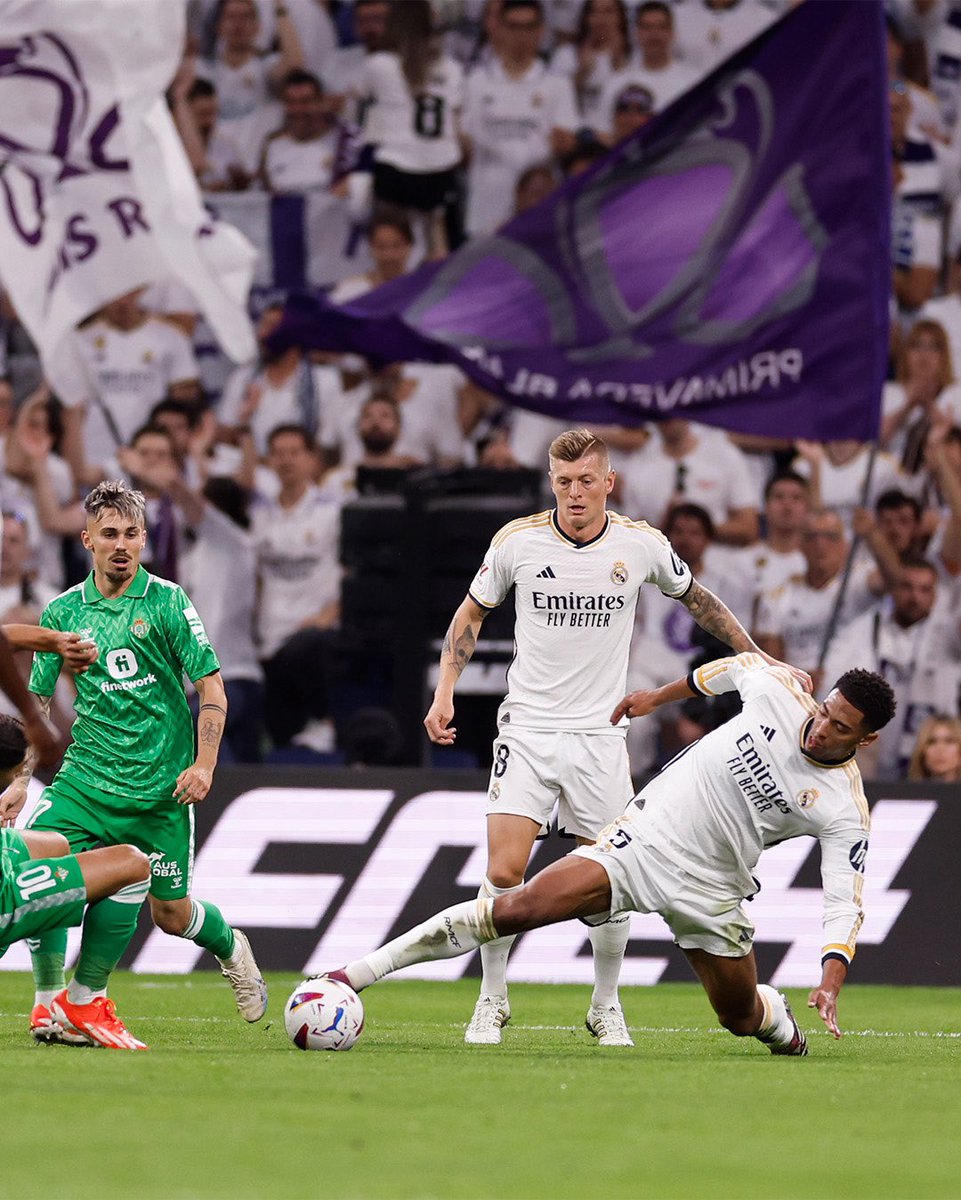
x=211 y=731
x=715 y=618
x=458 y=652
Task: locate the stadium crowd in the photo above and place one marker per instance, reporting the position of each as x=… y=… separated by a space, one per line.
x=423 y=136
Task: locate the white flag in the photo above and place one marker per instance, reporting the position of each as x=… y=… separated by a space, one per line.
x=97 y=196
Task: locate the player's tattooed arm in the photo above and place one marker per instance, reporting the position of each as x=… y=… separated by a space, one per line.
x=193 y=784
x=715 y=618
x=460 y=642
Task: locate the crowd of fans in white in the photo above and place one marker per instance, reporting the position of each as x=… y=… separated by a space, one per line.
x=428 y=141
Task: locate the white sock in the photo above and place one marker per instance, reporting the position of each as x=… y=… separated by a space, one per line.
x=44 y=998
x=456 y=930
x=78 y=994
x=777 y=1028
x=608 y=941
x=494 y=954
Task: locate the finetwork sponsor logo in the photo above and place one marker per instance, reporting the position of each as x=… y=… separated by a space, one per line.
x=128 y=685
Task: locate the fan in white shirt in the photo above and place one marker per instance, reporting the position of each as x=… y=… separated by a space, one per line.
x=132 y=360
x=654 y=67
x=515 y=114
x=709 y=31
x=600 y=53
x=309 y=151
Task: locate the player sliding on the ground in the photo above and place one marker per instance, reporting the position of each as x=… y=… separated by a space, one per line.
x=687 y=844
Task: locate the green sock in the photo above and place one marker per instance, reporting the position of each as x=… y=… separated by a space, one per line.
x=107 y=929
x=208 y=929
x=48 y=952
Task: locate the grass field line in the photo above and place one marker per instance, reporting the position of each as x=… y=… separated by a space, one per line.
x=652 y=1030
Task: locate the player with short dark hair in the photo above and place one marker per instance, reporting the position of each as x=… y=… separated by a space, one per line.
x=131 y=773
x=687 y=845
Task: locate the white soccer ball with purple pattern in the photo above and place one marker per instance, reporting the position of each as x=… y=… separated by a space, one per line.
x=323 y=1014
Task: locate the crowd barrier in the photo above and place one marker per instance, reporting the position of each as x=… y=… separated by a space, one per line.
x=321 y=865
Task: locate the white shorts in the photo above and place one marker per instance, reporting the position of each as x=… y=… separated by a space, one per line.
x=588 y=776
x=643 y=880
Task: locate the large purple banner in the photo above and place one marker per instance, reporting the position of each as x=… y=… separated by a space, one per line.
x=728 y=263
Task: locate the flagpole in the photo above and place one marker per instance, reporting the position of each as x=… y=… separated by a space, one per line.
x=832 y=624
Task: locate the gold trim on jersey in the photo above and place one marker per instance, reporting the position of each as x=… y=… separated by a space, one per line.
x=640 y=526
x=838 y=948
x=534 y=521
x=857 y=792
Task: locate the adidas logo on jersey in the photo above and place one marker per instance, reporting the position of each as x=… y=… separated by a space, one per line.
x=547 y=573
x=768 y=731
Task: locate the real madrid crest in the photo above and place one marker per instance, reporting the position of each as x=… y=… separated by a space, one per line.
x=807 y=797
x=619 y=574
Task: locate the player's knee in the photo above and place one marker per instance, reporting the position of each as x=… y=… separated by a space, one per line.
x=506 y=875
x=136 y=864
x=56 y=845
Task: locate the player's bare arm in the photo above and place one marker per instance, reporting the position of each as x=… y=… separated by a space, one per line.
x=715 y=618
x=643 y=702
x=825 y=996
x=77 y=652
x=460 y=642
x=193 y=784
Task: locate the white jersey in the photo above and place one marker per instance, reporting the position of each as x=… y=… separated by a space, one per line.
x=297 y=558
x=129 y=372
x=748 y=785
x=575 y=604
x=413 y=133
x=664 y=84
x=509 y=122
x=799 y=614
x=300 y=166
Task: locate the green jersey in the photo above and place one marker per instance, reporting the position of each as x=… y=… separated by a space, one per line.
x=133 y=733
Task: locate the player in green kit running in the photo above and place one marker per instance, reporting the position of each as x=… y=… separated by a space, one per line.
x=131 y=774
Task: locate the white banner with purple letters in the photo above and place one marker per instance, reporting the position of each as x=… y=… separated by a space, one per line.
x=96 y=193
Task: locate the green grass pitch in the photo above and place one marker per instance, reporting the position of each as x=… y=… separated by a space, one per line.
x=221 y=1109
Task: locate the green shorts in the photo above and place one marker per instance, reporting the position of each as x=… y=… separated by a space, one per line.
x=36 y=894
x=164 y=832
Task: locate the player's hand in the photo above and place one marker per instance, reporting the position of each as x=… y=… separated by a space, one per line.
x=635 y=704
x=437 y=723
x=803 y=678
x=193 y=784
x=825 y=1000
x=11 y=802
x=77 y=653
x=46 y=741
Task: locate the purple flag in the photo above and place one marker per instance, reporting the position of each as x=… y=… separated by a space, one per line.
x=729 y=263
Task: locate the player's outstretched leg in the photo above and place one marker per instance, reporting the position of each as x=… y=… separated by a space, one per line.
x=605 y=1017
x=83 y=1007
x=202 y=922
x=573 y=887
x=745 y=1007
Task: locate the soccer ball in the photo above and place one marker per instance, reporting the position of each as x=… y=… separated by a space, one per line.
x=323 y=1014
